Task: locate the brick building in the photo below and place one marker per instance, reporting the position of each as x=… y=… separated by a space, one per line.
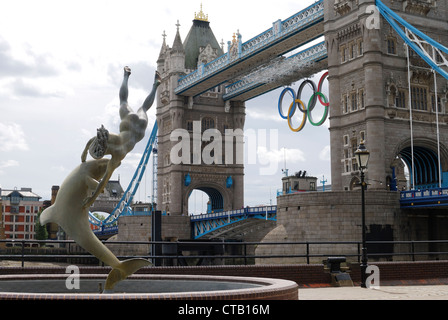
x=19 y=212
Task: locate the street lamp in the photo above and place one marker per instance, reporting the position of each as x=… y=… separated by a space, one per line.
x=362 y=157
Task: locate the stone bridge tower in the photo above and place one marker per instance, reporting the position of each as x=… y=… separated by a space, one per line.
x=221 y=180
x=369 y=87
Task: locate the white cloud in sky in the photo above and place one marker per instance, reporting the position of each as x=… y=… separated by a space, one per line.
x=7 y=164
x=325 y=153
x=12 y=137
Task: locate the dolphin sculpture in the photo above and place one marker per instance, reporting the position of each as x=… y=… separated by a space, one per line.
x=69 y=213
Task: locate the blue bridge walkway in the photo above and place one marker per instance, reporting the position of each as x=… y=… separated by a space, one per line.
x=429 y=198
x=207 y=223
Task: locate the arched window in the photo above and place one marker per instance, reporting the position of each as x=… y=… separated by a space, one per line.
x=207 y=123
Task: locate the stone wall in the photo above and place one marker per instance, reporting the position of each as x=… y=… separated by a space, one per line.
x=138 y=228
x=332 y=216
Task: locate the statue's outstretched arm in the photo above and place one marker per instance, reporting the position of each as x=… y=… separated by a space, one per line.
x=86 y=149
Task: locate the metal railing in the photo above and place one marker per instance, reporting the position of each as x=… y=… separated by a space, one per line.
x=244 y=252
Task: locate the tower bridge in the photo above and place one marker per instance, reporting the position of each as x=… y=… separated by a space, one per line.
x=387 y=84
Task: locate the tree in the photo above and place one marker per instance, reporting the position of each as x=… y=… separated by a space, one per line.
x=41 y=231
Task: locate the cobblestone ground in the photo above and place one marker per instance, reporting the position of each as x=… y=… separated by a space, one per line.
x=427 y=292
x=8 y=263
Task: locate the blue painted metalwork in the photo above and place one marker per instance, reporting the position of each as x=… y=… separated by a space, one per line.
x=306 y=57
x=424 y=198
x=106 y=231
x=187 y=180
x=426 y=166
x=207 y=223
x=229 y=182
x=394 y=20
x=216 y=199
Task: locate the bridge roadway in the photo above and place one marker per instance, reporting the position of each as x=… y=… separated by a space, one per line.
x=283 y=37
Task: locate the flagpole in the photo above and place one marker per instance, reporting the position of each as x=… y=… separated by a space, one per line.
x=437 y=121
x=410 y=117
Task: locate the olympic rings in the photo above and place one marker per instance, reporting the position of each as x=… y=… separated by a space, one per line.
x=306 y=110
x=280 y=101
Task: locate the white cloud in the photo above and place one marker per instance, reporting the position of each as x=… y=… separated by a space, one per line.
x=8 y=164
x=273 y=158
x=252 y=113
x=279 y=155
x=325 y=154
x=132 y=160
x=12 y=137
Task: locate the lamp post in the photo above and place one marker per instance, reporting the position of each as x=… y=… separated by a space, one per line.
x=362 y=157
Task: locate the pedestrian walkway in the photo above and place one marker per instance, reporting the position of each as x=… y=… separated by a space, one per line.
x=414 y=292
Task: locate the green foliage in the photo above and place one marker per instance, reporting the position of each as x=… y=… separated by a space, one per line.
x=41 y=231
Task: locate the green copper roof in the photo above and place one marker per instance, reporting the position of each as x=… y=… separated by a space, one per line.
x=200 y=35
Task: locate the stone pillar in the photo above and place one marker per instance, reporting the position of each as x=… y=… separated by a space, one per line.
x=374 y=113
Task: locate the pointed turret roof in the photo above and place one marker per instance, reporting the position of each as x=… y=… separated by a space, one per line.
x=200 y=35
x=163 y=49
x=177 y=45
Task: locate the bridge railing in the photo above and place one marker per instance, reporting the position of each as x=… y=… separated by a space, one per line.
x=300 y=20
x=424 y=198
x=304 y=58
x=425 y=193
x=236 y=252
x=234 y=213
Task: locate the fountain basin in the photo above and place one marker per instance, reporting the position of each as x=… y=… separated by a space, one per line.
x=147 y=287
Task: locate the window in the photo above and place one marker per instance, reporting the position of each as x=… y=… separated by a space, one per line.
x=354 y=101
x=419 y=98
x=208 y=123
x=360 y=47
x=190 y=125
x=433 y=103
x=391 y=46
x=344 y=53
x=345 y=103
x=345 y=140
x=400 y=99
x=361 y=99
x=352 y=50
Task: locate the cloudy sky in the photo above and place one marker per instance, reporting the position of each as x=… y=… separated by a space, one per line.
x=61 y=66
